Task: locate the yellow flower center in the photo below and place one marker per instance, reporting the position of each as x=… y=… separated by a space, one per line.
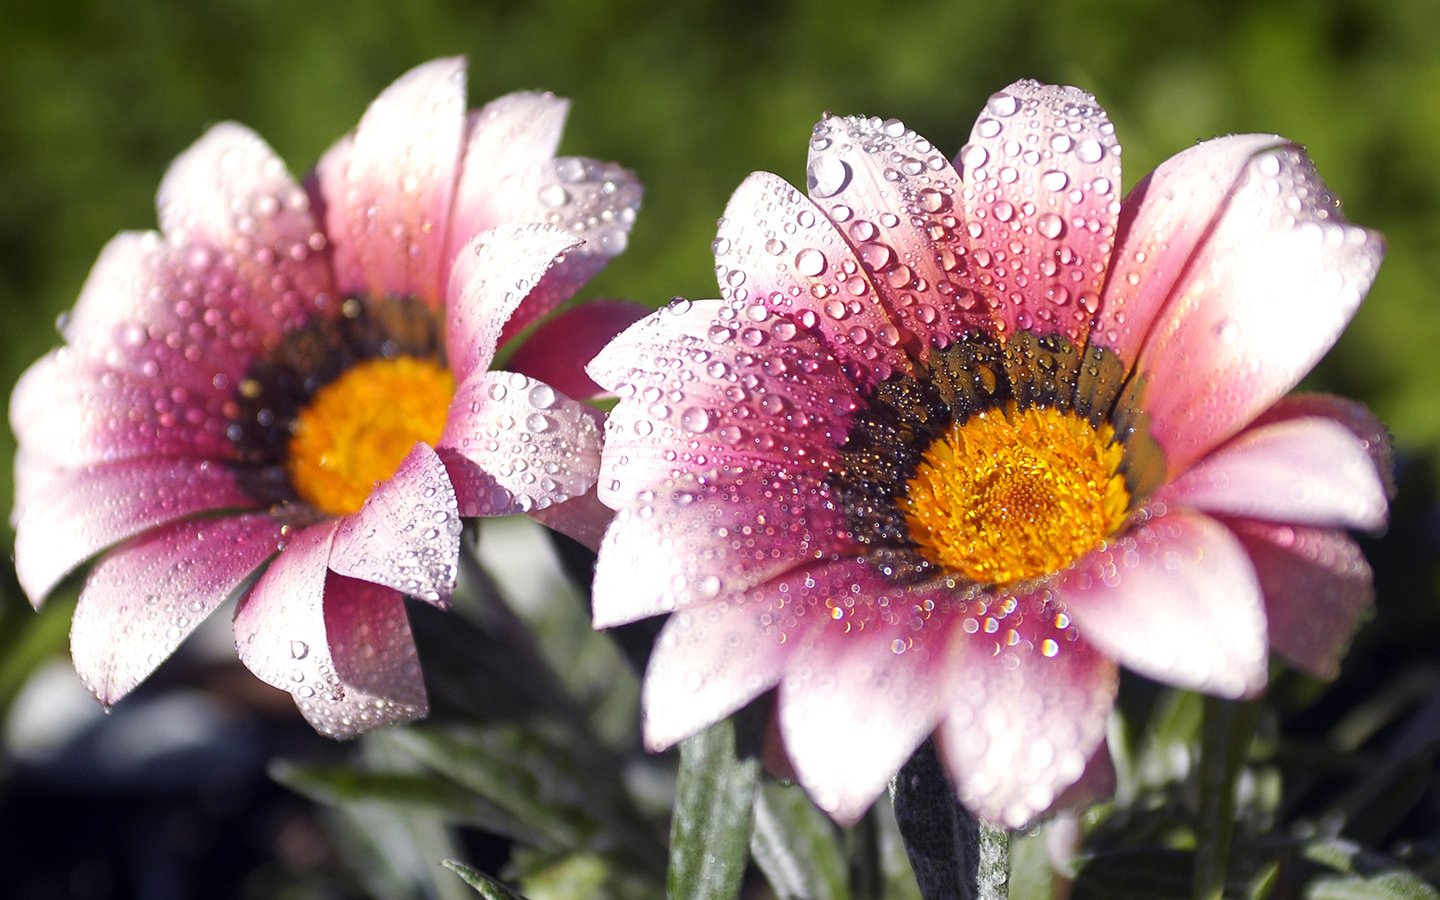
x=1009 y=495
x=357 y=429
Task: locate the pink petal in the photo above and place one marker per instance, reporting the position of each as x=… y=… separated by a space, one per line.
x=1163 y=220
x=692 y=540
x=342 y=647
x=713 y=659
x=1369 y=430
x=1042 y=189
x=1176 y=599
x=79 y=413
x=863 y=172
x=1265 y=294
x=76 y=515
x=1311 y=471
x=782 y=406
x=34 y=477
x=864 y=688
x=231 y=197
x=388 y=191
x=504 y=138
x=491 y=279
x=183 y=316
x=582 y=518
x=407 y=534
x=556 y=352
x=1028 y=706
x=146 y=596
x=592 y=200
x=777 y=253
x=1318 y=589
x=539 y=447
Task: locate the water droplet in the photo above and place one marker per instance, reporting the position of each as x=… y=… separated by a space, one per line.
x=827 y=176
x=695 y=420
x=810 y=262
x=1050 y=225
x=1002 y=104
x=542 y=395
x=553 y=196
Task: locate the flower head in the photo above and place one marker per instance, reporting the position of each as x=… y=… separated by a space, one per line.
x=960 y=437
x=287 y=392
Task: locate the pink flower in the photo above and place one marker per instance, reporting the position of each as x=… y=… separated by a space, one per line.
x=307 y=371
x=958 y=439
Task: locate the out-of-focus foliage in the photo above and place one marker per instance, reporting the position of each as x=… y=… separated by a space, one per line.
x=1339 y=794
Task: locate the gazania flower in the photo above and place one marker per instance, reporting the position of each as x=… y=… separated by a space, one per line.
x=301 y=376
x=960 y=438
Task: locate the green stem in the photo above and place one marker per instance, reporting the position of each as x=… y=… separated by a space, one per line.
x=1226 y=733
x=954 y=854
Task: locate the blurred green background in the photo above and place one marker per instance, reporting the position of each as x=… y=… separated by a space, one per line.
x=97 y=96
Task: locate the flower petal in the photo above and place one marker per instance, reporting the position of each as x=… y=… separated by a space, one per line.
x=81 y=414
x=86 y=510
x=863 y=689
x=777 y=253
x=146 y=596
x=492 y=277
x=407 y=534
x=1176 y=599
x=556 y=352
x=1265 y=294
x=1369 y=430
x=1028 y=706
x=594 y=201
x=388 y=190
x=507 y=136
x=538 y=446
x=1042 y=188
x=583 y=518
x=692 y=540
x=862 y=171
x=341 y=646
x=184 y=316
x=231 y=198
x=1318 y=589
x=713 y=659
x=1163 y=220
x=1310 y=471
x=779 y=406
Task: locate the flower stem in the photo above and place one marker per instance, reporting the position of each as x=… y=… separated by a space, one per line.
x=1227 y=730
x=953 y=853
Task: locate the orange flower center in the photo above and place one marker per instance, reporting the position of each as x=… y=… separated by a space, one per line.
x=1010 y=495
x=357 y=429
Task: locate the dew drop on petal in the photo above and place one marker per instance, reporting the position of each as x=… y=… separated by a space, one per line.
x=827 y=176
x=810 y=262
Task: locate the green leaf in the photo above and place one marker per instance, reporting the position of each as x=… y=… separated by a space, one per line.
x=483 y=884
x=1227 y=732
x=571 y=797
x=1392 y=885
x=1031 y=875
x=796 y=846
x=714 y=808
x=344 y=787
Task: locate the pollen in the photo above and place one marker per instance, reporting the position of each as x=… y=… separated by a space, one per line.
x=1011 y=494
x=356 y=430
